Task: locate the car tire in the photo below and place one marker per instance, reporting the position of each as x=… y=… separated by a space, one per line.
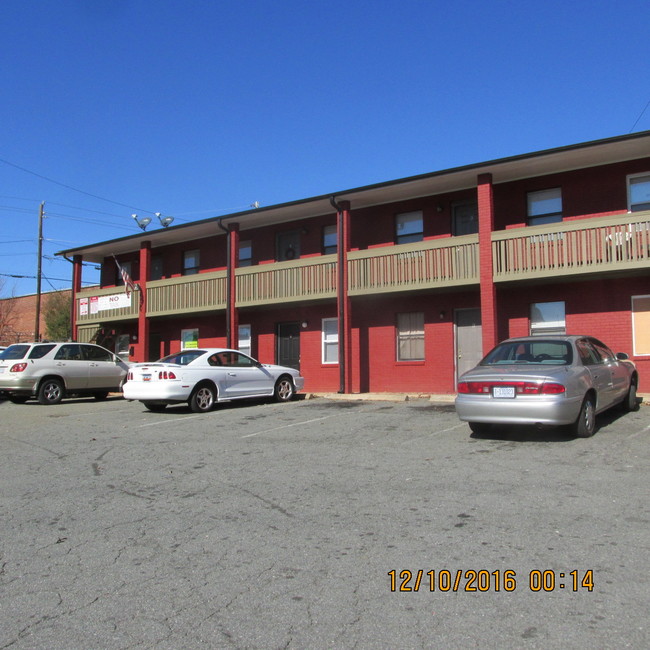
x=203 y=398
x=585 y=425
x=479 y=427
x=284 y=389
x=100 y=395
x=50 y=391
x=630 y=402
x=155 y=407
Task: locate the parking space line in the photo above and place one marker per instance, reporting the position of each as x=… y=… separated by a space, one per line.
x=288 y=426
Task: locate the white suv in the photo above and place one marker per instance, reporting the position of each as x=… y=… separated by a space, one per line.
x=51 y=371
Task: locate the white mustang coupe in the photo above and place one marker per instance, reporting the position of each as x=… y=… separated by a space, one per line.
x=207 y=376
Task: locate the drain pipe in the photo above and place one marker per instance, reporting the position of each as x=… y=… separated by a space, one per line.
x=228 y=287
x=341 y=292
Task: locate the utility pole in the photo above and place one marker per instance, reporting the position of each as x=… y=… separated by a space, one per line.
x=37 y=326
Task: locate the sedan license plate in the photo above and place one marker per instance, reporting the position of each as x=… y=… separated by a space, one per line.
x=146 y=377
x=503 y=391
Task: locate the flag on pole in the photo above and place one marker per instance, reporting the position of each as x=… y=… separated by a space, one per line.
x=129 y=285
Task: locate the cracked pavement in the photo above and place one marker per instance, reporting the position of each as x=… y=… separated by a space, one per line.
x=265 y=525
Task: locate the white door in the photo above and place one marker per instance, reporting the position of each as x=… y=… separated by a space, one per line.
x=469 y=339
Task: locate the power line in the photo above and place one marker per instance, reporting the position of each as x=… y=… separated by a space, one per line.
x=640 y=116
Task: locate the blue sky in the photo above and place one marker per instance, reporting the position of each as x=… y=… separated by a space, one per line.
x=198 y=108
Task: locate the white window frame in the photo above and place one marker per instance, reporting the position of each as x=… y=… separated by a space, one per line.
x=630 y=181
x=190 y=338
x=407 y=335
x=547 y=327
x=538 y=198
x=402 y=220
x=329 y=340
x=244 y=339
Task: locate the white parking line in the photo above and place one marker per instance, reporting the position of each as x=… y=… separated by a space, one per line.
x=288 y=426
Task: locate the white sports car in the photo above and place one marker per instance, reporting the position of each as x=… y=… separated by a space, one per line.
x=203 y=377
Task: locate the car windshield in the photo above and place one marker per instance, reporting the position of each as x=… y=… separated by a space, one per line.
x=557 y=353
x=183 y=357
x=15 y=352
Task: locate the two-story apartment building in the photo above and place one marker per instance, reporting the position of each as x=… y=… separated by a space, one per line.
x=396 y=286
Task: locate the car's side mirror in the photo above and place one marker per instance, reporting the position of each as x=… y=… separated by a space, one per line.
x=622 y=356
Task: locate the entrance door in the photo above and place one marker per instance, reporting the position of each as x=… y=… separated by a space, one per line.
x=288 y=345
x=288 y=245
x=469 y=341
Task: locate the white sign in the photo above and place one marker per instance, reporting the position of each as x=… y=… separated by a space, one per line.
x=83 y=306
x=114 y=301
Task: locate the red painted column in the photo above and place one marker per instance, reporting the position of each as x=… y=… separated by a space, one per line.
x=142 y=347
x=76 y=288
x=488 y=290
x=343 y=298
x=233 y=260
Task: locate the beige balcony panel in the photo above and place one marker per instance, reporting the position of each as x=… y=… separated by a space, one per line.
x=195 y=293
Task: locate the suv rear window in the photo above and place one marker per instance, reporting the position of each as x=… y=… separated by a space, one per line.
x=15 y=352
x=40 y=351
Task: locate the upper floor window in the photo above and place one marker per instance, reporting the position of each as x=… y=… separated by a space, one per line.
x=191 y=262
x=544 y=206
x=119 y=277
x=409 y=227
x=156 y=272
x=638 y=192
x=287 y=245
x=245 y=253
x=329 y=240
x=464 y=218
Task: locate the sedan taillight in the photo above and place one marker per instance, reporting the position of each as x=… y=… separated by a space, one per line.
x=521 y=387
x=166 y=374
x=18 y=367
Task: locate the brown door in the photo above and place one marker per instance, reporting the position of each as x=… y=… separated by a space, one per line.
x=288 y=345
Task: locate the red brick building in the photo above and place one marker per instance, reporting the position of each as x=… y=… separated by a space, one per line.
x=398 y=286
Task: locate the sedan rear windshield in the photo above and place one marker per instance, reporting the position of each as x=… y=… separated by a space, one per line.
x=558 y=353
x=183 y=358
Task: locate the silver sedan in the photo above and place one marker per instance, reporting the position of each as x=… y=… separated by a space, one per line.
x=203 y=377
x=546 y=380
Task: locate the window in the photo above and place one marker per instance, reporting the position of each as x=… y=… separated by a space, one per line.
x=464 y=218
x=330 y=340
x=231 y=360
x=288 y=245
x=245 y=253
x=329 y=240
x=638 y=192
x=547 y=318
x=189 y=338
x=156 y=272
x=69 y=352
x=119 y=280
x=244 y=338
x=96 y=353
x=410 y=336
x=544 y=207
x=409 y=227
x=191 y=262
x=641 y=324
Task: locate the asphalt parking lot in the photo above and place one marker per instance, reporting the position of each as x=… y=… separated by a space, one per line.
x=289 y=525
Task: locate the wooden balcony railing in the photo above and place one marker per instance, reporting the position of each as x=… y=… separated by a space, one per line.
x=190 y=293
x=433 y=263
x=94 y=305
x=572 y=248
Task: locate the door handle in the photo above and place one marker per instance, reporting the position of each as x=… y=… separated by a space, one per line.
x=232 y=374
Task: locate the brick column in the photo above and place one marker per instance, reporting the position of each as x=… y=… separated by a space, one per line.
x=343 y=297
x=142 y=348
x=76 y=288
x=488 y=290
x=231 y=307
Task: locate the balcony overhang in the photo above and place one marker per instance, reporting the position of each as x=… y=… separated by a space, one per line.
x=550 y=161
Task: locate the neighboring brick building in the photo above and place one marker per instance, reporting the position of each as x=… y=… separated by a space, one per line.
x=18 y=318
x=398 y=286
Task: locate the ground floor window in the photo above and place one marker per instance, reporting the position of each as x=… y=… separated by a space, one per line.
x=547 y=318
x=641 y=324
x=244 y=337
x=410 y=336
x=189 y=338
x=330 y=340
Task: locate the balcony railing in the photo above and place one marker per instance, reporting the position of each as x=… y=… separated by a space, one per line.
x=433 y=263
x=572 y=248
x=190 y=293
x=94 y=305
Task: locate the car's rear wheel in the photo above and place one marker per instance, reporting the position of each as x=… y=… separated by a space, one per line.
x=479 y=427
x=155 y=407
x=630 y=403
x=585 y=425
x=203 y=398
x=50 y=391
x=284 y=389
